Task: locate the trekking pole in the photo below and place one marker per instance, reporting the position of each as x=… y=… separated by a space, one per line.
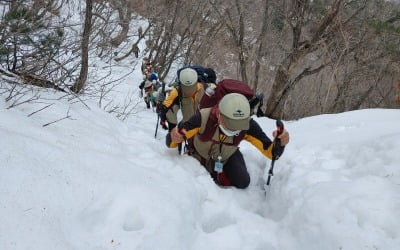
x=158 y=119
x=277 y=143
x=180 y=148
x=180 y=145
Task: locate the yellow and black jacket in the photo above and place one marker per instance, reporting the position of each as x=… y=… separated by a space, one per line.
x=175 y=101
x=209 y=142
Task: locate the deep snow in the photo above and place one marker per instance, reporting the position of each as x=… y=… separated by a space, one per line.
x=95 y=182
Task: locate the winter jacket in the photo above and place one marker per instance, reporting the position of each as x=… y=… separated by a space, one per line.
x=216 y=143
x=175 y=101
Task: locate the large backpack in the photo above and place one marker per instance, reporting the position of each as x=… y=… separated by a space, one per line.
x=202 y=76
x=227 y=86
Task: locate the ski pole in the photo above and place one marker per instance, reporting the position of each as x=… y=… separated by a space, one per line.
x=180 y=148
x=277 y=143
x=158 y=119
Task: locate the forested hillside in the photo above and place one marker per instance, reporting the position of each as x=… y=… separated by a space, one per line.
x=307 y=57
x=85 y=158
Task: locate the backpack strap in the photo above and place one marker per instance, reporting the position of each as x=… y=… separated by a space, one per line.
x=211 y=125
x=163 y=87
x=179 y=98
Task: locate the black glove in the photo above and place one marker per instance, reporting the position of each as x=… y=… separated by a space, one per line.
x=163 y=125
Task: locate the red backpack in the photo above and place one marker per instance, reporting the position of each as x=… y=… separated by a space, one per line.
x=224 y=87
x=227 y=86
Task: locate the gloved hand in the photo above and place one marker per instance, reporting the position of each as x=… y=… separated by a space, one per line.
x=284 y=137
x=176 y=136
x=163 y=125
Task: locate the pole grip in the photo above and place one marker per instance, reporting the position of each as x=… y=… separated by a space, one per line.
x=277 y=142
x=279 y=126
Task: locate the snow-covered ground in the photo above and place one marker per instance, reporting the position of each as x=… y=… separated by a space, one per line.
x=73 y=176
x=91 y=181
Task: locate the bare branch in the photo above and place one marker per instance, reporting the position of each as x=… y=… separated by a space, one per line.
x=66 y=117
x=45 y=107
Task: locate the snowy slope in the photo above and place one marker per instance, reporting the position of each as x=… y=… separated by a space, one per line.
x=91 y=181
x=94 y=182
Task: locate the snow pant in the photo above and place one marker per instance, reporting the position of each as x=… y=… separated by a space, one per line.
x=148 y=101
x=234 y=171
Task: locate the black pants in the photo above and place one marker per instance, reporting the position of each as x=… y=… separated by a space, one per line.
x=236 y=171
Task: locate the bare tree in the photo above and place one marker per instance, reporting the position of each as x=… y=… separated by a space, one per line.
x=234 y=21
x=31 y=41
x=261 y=45
x=287 y=77
x=80 y=83
x=295 y=51
x=177 y=30
x=308 y=57
x=124 y=9
x=135 y=48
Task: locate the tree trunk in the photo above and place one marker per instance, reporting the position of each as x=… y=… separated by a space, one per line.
x=240 y=43
x=277 y=91
x=285 y=80
x=80 y=82
x=124 y=17
x=261 y=45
